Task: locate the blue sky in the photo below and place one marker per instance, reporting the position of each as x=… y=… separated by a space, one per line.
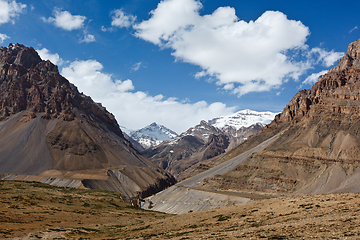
x=177 y=62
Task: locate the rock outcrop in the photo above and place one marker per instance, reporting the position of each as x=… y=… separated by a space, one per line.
x=319 y=149
x=46 y=124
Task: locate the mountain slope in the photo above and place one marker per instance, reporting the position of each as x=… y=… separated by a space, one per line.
x=318 y=152
x=46 y=124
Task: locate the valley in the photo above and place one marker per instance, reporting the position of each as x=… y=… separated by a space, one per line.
x=250 y=174
x=31 y=210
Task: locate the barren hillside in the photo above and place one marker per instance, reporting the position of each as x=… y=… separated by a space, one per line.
x=319 y=151
x=46 y=124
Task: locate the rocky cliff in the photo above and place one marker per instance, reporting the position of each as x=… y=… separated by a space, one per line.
x=319 y=149
x=46 y=124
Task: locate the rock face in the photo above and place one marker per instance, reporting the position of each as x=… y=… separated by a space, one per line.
x=46 y=124
x=319 y=149
x=337 y=91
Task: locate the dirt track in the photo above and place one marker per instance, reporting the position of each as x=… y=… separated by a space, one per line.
x=226 y=166
x=181 y=198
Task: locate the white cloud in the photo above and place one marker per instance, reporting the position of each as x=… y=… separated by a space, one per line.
x=136 y=109
x=313 y=78
x=88 y=38
x=3 y=37
x=137 y=66
x=10 y=10
x=252 y=56
x=356 y=27
x=121 y=19
x=46 y=55
x=65 y=20
x=326 y=58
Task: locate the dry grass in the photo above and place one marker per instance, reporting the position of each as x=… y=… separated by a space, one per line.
x=37 y=211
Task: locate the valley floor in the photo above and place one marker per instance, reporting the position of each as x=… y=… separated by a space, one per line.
x=31 y=210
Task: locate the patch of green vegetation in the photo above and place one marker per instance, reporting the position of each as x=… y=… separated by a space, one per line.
x=86 y=204
x=277 y=237
x=57 y=230
x=193 y=226
x=221 y=217
x=141 y=228
x=306 y=206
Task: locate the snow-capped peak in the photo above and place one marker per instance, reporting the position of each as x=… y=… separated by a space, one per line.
x=152 y=135
x=244 y=118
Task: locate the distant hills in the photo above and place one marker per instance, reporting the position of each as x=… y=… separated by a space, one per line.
x=207 y=140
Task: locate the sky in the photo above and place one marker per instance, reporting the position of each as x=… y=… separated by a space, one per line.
x=177 y=62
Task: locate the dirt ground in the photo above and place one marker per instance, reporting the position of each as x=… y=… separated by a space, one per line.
x=36 y=211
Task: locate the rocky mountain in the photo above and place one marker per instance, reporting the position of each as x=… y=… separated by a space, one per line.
x=319 y=145
x=48 y=128
x=152 y=135
x=207 y=140
x=135 y=144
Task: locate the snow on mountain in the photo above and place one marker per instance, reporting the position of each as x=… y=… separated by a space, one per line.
x=152 y=135
x=126 y=130
x=244 y=118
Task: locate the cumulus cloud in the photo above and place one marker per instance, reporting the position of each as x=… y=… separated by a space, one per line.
x=10 y=10
x=130 y=107
x=121 y=19
x=313 y=78
x=53 y=57
x=65 y=20
x=3 y=37
x=88 y=38
x=242 y=56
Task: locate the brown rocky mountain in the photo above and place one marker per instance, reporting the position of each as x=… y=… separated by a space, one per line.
x=49 y=129
x=196 y=145
x=318 y=151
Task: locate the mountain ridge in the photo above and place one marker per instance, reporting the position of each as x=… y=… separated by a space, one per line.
x=46 y=124
x=318 y=151
x=207 y=140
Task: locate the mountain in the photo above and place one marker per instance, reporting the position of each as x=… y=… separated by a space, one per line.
x=49 y=129
x=126 y=132
x=207 y=140
x=152 y=135
x=233 y=124
x=319 y=143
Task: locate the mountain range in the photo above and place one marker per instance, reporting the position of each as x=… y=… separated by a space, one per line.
x=207 y=140
x=49 y=129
